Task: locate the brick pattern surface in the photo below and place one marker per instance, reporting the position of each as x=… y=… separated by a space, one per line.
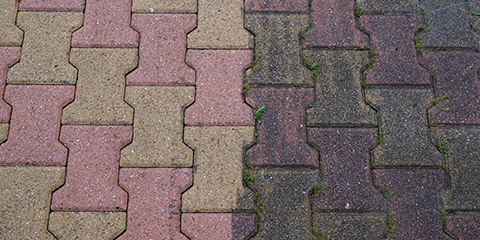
x=51 y=5
x=465 y=226
x=289 y=6
x=8 y=57
x=86 y=225
x=10 y=34
x=172 y=6
x=203 y=226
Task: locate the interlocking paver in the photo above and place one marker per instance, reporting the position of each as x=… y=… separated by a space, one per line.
x=93 y=162
x=100 y=86
x=463 y=169
x=158 y=127
x=3 y=132
x=285 y=202
x=392 y=38
x=45 y=48
x=162 y=49
x=219 y=100
x=339 y=98
x=282 y=136
x=205 y=226
x=413 y=201
x=277 y=49
x=220 y=26
x=87 y=225
x=35 y=125
x=8 y=57
x=218 y=182
x=456 y=75
x=464 y=226
x=289 y=6
x=403 y=137
x=25 y=194
x=172 y=6
x=334 y=25
x=154 y=201
x=345 y=168
x=106 y=25
x=338 y=225
x=51 y=5
x=10 y=34
x=376 y=6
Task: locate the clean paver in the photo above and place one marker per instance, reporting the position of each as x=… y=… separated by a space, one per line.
x=51 y=5
x=171 y=6
x=8 y=57
x=10 y=34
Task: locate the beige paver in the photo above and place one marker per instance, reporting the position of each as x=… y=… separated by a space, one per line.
x=87 y=225
x=158 y=127
x=101 y=86
x=218 y=166
x=45 y=49
x=338 y=225
x=10 y=34
x=220 y=25
x=25 y=194
x=171 y=6
x=3 y=132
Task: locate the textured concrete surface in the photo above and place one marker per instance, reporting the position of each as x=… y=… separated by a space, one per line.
x=277 y=49
x=218 y=166
x=46 y=47
x=464 y=226
x=10 y=34
x=158 y=127
x=8 y=57
x=162 y=49
x=25 y=194
x=350 y=225
x=288 y=6
x=100 y=87
x=220 y=26
x=86 y=225
x=172 y=6
x=51 y=5
x=35 y=125
x=204 y=226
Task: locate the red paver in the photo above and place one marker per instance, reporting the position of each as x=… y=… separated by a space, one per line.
x=8 y=57
x=282 y=139
x=92 y=170
x=154 y=201
x=219 y=100
x=413 y=201
x=333 y=25
x=456 y=75
x=163 y=41
x=207 y=226
x=106 y=24
x=465 y=226
x=35 y=125
x=289 y=6
x=51 y=5
x=392 y=38
x=345 y=166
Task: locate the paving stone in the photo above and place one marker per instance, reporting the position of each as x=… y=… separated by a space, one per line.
x=450 y=25
x=87 y=225
x=384 y=6
x=163 y=39
x=219 y=99
x=172 y=6
x=289 y=6
x=403 y=127
x=52 y=5
x=100 y=87
x=158 y=127
x=220 y=26
x=204 y=226
x=463 y=169
x=45 y=48
x=10 y=34
x=218 y=169
x=456 y=75
x=91 y=182
x=282 y=136
x=3 y=132
x=334 y=25
x=392 y=38
x=8 y=57
x=35 y=125
x=106 y=25
x=337 y=225
x=154 y=201
x=339 y=97
x=25 y=200
x=413 y=201
x=285 y=203
x=277 y=49
x=345 y=167
x=464 y=226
